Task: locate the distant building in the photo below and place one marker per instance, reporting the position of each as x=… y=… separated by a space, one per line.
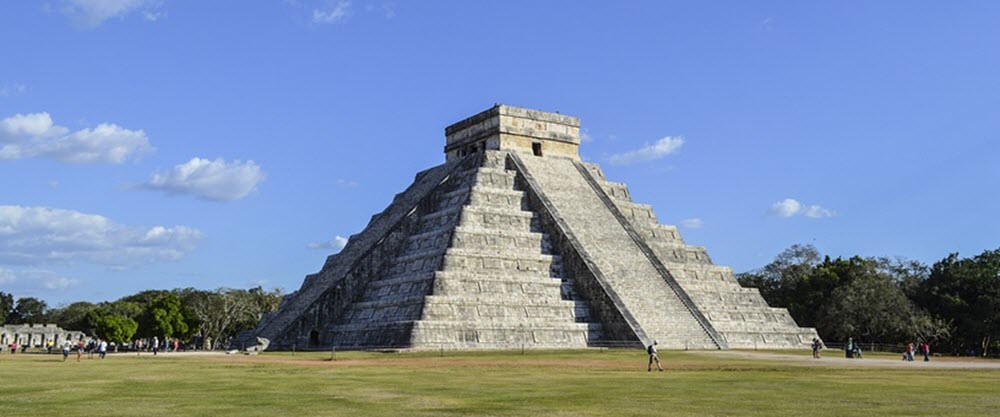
x=37 y=335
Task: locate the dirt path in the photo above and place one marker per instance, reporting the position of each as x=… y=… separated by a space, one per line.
x=830 y=359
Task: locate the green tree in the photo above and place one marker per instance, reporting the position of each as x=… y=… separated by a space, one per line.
x=225 y=312
x=28 y=310
x=966 y=292
x=852 y=297
x=115 y=328
x=165 y=317
x=6 y=306
x=74 y=316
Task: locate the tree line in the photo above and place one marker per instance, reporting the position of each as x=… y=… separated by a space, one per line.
x=953 y=304
x=189 y=314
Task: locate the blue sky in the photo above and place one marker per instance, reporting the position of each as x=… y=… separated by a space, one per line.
x=163 y=144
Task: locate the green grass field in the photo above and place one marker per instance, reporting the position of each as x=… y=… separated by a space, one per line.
x=550 y=383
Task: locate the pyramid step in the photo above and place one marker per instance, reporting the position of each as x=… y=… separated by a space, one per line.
x=501 y=299
x=460 y=336
x=496 y=197
x=495 y=178
x=410 y=278
x=768 y=339
x=497 y=219
x=637 y=213
x=428 y=260
x=674 y=253
x=444 y=218
x=616 y=190
x=477 y=237
x=659 y=233
x=415 y=286
x=468 y=260
x=701 y=272
x=511 y=314
x=521 y=287
x=436 y=239
x=385 y=334
x=466 y=325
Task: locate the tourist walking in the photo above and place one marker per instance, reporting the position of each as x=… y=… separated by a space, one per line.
x=65 y=350
x=926 y=350
x=653 y=357
x=849 y=348
x=48 y=347
x=13 y=348
x=857 y=349
x=80 y=346
x=817 y=345
x=102 y=349
x=155 y=345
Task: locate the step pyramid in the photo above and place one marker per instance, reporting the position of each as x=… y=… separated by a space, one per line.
x=514 y=242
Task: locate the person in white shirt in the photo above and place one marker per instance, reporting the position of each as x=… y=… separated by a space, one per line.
x=102 y=349
x=653 y=357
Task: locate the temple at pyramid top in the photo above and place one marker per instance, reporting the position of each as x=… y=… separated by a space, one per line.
x=506 y=128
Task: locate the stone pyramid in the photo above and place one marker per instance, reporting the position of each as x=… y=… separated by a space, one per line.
x=514 y=242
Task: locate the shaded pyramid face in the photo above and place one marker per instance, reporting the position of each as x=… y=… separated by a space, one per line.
x=516 y=243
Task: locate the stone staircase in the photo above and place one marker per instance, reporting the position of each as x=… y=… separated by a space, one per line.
x=739 y=314
x=643 y=292
x=476 y=273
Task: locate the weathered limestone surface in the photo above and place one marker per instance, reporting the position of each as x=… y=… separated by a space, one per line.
x=641 y=288
x=515 y=243
x=739 y=314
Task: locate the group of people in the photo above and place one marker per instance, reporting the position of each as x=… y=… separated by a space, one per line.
x=155 y=345
x=100 y=347
x=923 y=348
x=13 y=348
x=852 y=349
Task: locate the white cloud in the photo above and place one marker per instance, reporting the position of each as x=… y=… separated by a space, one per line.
x=785 y=208
x=585 y=136
x=34 y=135
x=816 y=212
x=694 y=223
x=333 y=13
x=42 y=236
x=93 y=13
x=336 y=244
x=32 y=124
x=791 y=207
x=216 y=180
x=663 y=147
